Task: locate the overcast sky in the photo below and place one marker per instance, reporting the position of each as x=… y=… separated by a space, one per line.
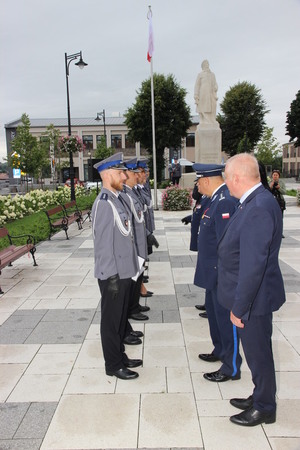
x=256 y=41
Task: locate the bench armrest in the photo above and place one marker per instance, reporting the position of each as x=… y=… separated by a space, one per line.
x=30 y=238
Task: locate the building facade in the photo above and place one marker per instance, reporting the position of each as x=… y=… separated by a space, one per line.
x=91 y=131
x=290 y=160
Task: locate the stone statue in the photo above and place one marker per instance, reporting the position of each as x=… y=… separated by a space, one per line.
x=205 y=95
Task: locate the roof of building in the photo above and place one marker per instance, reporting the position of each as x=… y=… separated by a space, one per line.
x=80 y=122
x=63 y=122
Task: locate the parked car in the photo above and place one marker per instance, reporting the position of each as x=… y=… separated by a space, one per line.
x=93 y=184
x=76 y=182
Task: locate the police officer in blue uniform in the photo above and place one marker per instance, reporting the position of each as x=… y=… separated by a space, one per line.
x=194 y=219
x=250 y=282
x=214 y=218
x=116 y=263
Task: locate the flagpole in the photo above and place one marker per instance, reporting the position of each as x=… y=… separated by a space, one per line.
x=153 y=126
x=153 y=138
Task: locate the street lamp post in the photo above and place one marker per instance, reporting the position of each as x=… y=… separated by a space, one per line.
x=81 y=64
x=99 y=115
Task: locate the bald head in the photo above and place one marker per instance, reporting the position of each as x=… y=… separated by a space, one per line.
x=241 y=174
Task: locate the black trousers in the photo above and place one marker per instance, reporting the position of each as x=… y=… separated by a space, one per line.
x=256 y=340
x=114 y=307
x=134 y=305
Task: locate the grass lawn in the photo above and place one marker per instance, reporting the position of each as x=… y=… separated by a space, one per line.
x=37 y=224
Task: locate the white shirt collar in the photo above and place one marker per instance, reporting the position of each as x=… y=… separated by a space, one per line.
x=244 y=196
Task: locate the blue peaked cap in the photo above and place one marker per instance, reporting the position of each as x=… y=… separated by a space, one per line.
x=112 y=162
x=132 y=165
x=142 y=163
x=208 y=170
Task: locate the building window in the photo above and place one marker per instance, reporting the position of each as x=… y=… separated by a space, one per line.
x=88 y=141
x=116 y=141
x=190 y=140
x=129 y=142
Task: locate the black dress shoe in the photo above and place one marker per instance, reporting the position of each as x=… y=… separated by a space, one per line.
x=252 y=417
x=242 y=403
x=145 y=280
x=131 y=363
x=204 y=315
x=123 y=374
x=138 y=334
x=208 y=357
x=132 y=340
x=139 y=316
x=146 y=295
x=219 y=377
x=144 y=308
x=145 y=277
x=200 y=307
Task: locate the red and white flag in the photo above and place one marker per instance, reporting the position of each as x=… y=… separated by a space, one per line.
x=150 y=40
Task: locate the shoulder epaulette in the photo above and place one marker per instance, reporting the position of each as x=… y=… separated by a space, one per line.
x=104 y=196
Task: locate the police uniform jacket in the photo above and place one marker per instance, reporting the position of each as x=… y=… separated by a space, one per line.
x=114 y=249
x=195 y=221
x=215 y=217
x=134 y=205
x=146 y=193
x=250 y=281
x=147 y=204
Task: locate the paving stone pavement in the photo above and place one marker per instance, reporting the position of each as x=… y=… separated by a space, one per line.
x=54 y=393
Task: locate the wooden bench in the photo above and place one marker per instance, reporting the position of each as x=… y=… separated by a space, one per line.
x=57 y=220
x=73 y=213
x=61 y=216
x=9 y=254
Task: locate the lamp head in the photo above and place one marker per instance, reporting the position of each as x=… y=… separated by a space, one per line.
x=81 y=64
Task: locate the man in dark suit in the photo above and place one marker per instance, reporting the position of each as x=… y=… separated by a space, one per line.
x=250 y=283
x=214 y=218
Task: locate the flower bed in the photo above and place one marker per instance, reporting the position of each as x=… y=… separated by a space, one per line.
x=175 y=198
x=19 y=206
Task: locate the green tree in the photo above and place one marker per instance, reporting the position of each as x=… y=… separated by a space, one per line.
x=268 y=150
x=102 y=151
x=242 y=118
x=172 y=117
x=26 y=151
x=293 y=121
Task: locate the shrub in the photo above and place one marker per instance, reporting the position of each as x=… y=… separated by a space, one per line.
x=164 y=184
x=298 y=196
x=19 y=206
x=176 y=199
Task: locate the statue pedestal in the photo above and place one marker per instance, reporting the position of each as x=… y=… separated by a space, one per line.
x=208 y=144
x=187 y=181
